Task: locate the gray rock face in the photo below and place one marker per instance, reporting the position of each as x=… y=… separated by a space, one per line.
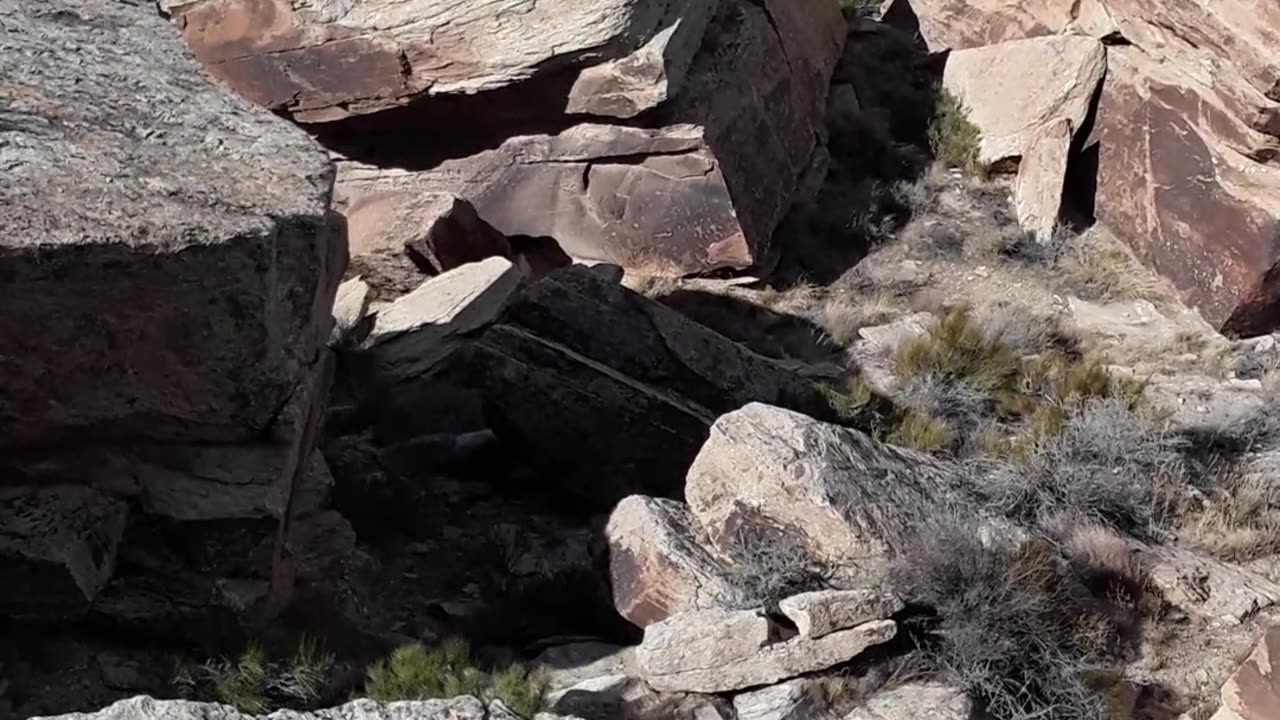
x=915 y=701
x=168 y=264
x=797 y=699
x=658 y=564
x=172 y=244
x=826 y=611
x=712 y=651
x=1253 y=690
x=57 y=548
x=842 y=494
x=459 y=708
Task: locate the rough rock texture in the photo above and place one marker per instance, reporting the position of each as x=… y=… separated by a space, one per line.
x=658 y=565
x=825 y=611
x=413 y=334
x=1028 y=98
x=721 y=650
x=626 y=697
x=1220 y=592
x=350 y=306
x=682 y=193
x=1181 y=153
x=843 y=495
x=1014 y=91
x=915 y=701
x=172 y=244
x=57 y=548
x=459 y=708
x=168 y=263
x=614 y=389
x=798 y=699
x=1253 y=691
x=325 y=60
x=397 y=239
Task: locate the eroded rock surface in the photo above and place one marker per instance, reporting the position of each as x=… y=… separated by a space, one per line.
x=1253 y=691
x=721 y=650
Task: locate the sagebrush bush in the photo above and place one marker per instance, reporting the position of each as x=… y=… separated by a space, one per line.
x=1103 y=461
x=769 y=565
x=1015 y=627
x=415 y=672
x=953 y=138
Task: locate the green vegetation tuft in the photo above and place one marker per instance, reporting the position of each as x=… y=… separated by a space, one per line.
x=920 y=431
x=416 y=672
x=956 y=348
x=953 y=137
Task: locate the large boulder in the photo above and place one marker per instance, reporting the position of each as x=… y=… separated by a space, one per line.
x=168 y=263
x=844 y=497
x=1253 y=690
x=714 y=651
x=1029 y=98
x=167 y=257
x=523 y=108
x=1179 y=162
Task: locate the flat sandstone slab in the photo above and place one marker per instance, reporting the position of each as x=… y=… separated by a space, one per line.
x=167 y=259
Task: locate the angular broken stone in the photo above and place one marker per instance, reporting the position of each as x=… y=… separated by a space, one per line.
x=1253 y=690
x=844 y=496
x=410 y=336
x=715 y=651
x=57 y=548
x=399 y=239
x=1222 y=593
x=657 y=563
x=825 y=611
x=614 y=389
x=1037 y=192
x=799 y=699
x=915 y=701
x=350 y=306
x=1015 y=91
x=171 y=243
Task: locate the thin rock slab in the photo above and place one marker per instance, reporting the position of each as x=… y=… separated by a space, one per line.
x=915 y=701
x=826 y=611
x=714 y=651
x=171 y=243
x=147 y=708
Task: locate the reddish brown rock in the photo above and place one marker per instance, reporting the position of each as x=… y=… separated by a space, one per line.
x=1253 y=691
x=1185 y=136
x=398 y=239
x=658 y=565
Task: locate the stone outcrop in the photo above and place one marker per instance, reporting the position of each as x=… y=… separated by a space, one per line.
x=1029 y=98
x=1220 y=592
x=1253 y=690
x=721 y=650
x=168 y=262
x=399 y=239
x=657 y=562
x=615 y=391
x=915 y=701
x=624 y=129
x=1180 y=155
x=841 y=494
x=459 y=708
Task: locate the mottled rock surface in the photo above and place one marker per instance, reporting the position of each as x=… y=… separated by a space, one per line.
x=799 y=699
x=915 y=701
x=841 y=494
x=1181 y=153
x=459 y=708
x=1253 y=691
x=721 y=650
x=825 y=611
x=658 y=564
x=172 y=243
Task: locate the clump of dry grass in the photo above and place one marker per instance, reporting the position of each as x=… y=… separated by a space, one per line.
x=957 y=348
x=921 y=431
x=1104 y=271
x=1240 y=518
x=843 y=315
